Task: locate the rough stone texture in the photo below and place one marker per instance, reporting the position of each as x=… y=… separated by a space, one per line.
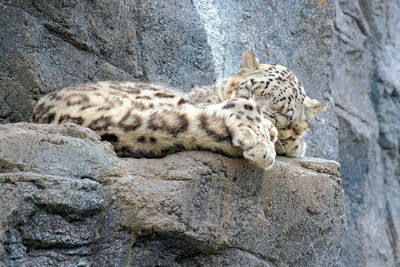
x=367 y=96
x=46 y=45
x=190 y=208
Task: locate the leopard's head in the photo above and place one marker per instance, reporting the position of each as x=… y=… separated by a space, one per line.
x=281 y=98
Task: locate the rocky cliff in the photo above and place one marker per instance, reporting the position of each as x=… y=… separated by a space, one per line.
x=68 y=200
x=367 y=95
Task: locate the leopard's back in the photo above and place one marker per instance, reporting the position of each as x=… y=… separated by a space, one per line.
x=85 y=103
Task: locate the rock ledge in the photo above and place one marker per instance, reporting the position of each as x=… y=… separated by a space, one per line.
x=67 y=199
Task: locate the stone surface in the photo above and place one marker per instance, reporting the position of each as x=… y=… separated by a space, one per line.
x=47 y=45
x=189 y=208
x=367 y=96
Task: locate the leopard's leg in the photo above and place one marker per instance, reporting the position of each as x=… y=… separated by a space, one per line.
x=251 y=131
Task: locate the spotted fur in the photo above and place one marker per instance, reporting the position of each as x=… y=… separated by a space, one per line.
x=278 y=94
x=144 y=120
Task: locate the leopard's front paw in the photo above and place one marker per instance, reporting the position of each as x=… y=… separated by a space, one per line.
x=262 y=155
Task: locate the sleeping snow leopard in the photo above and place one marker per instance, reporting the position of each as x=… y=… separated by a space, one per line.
x=277 y=93
x=234 y=117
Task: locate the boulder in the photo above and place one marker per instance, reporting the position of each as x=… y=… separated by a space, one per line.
x=67 y=199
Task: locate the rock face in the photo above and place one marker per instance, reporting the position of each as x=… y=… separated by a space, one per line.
x=68 y=200
x=367 y=86
x=47 y=45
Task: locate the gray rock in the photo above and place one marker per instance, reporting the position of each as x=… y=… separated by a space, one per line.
x=32 y=151
x=47 y=45
x=189 y=208
x=367 y=84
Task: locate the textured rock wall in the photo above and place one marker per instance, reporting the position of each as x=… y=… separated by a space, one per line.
x=68 y=200
x=47 y=45
x=367 y=96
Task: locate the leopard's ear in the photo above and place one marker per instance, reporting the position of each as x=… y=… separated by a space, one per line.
x=249 y=62
x=313 y=107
